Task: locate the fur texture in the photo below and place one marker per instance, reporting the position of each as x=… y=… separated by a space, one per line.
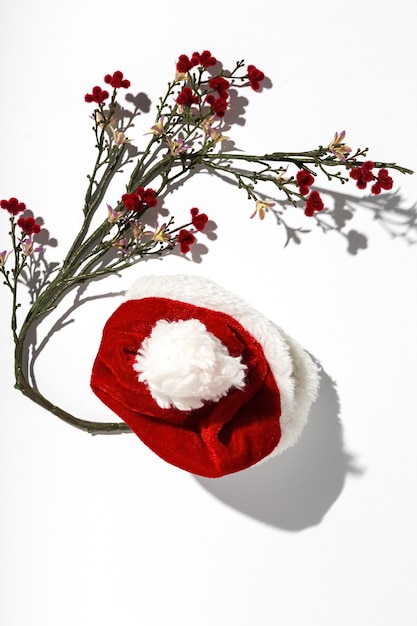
x=293 y=369
x=184 y=365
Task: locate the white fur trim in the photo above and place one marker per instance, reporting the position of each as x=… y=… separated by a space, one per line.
x=184 y=365
x=294 y=371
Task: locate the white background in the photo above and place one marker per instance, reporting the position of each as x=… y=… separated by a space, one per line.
x=100 y=531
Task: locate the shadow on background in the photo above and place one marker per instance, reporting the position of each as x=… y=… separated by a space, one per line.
x=295 y=490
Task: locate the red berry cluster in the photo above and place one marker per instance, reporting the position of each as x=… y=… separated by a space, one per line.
x=186 y=97
x=28 y=225
x=304 y=181
x=139 y=200
x=117 y=80
x=99 y=95
x=314 y=204
x=218 y=104
x=185 y=239
x=217 y=99
x=13 y=206
x=383 y=181
x=255 y=77
x=199 y=220
x=204 y=59
x=364 y=175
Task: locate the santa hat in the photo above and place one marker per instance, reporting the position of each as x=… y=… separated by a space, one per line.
x=206 y=381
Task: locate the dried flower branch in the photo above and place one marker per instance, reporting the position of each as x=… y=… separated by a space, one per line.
x=187 y=136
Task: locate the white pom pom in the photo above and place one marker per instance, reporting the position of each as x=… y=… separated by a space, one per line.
x=184 y=365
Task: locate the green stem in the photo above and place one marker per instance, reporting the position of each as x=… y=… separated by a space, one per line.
x=78 y=245
x=42 y=307
x=300 y=159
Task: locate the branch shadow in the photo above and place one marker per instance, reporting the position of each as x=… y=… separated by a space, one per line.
x=38 y=271
x=296 y=489
x=387 y=210
x=34 y=347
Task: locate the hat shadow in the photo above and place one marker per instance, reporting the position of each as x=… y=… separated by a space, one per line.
x=296 y=489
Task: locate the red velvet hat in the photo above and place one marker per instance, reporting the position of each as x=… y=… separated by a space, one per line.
x=205 y=381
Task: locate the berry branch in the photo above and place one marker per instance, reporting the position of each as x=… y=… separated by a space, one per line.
x=187 y=137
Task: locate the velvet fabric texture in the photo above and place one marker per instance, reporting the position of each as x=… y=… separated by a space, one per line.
x=221 y=437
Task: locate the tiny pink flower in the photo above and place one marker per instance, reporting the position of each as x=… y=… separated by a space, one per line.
x=119 y=138
x=113 y=215
x=28 y=247
x=158 y=128
x=213 y=133
x=161 y=234
x=176 y=146
x=3 y=257
x=338 y=147
x=137 y=230
x=121 y=244
x=261 y=207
